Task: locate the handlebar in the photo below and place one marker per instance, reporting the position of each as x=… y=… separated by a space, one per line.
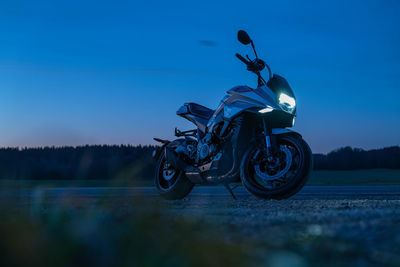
x=245 y=61
x=255 y=66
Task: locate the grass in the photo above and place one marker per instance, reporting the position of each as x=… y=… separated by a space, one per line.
x=74 y=183
x=126 y=231
x=353 y=177
x=74 y=232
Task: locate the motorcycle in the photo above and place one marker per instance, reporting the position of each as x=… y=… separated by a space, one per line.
x=246 y=139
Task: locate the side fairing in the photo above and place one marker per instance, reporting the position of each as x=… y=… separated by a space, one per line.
x=237 y=106
x=243 y=98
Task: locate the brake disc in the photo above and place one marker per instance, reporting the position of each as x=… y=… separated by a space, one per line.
x=266 y=177
x=168 y=171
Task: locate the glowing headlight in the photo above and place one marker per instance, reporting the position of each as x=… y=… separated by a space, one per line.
x=286 y=100
x=267 y=109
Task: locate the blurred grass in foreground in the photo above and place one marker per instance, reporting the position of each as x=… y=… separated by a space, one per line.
x=39 y=230
x=133 y=231
x=81 y=232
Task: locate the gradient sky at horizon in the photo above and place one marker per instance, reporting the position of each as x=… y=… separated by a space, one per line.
x=115 y=72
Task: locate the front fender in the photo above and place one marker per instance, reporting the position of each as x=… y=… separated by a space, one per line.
x=279 y=131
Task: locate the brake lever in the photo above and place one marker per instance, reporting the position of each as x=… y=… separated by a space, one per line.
x=249 y=58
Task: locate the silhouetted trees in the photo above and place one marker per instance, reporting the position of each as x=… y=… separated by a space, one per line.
x=111 y=161
x=83 y=162
x=348 y=158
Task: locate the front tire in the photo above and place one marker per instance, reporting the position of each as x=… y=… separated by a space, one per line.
x=281 y=177
x=171 y=184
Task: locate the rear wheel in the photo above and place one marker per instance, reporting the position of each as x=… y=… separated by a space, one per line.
x=171 y=183
x=281 y=175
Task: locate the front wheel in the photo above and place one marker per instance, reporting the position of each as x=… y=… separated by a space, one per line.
x=280 y=175
x=170 y=182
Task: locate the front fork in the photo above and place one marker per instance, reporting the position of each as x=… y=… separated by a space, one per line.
x=271 y=145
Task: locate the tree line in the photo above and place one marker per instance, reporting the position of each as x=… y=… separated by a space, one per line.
x=348 y=158
x=113 y=161
x=82 y=162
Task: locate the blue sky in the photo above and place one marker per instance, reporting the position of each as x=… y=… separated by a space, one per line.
x=93 y=72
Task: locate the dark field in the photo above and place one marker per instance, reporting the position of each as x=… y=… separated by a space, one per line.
x=355 y=177
x=319 y=177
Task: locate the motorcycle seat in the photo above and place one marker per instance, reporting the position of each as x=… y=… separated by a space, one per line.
x=199 y=110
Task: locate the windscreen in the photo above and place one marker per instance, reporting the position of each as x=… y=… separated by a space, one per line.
x=279 y=85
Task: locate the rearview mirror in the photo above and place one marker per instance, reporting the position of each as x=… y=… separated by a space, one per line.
x=243 y=37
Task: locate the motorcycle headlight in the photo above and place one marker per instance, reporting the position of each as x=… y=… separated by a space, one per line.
x=287 y=103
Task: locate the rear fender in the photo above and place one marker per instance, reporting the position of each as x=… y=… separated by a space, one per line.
x=157 y=152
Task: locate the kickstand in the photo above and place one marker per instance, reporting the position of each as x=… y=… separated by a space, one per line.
x=231 y=190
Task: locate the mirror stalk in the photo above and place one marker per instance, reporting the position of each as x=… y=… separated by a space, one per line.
x=254 y=49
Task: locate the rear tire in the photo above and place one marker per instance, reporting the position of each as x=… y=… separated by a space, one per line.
x=287 y=185
x=171 y=184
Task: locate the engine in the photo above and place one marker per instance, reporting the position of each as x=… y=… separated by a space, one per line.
x=200 y=152
x=206 y=149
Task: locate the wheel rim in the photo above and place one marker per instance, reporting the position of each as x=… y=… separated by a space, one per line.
x=273 y=170
x=167 y=175
x=276 y=173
